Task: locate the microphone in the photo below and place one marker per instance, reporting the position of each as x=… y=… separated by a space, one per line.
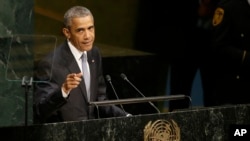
x=124 y=77
x=108 y=78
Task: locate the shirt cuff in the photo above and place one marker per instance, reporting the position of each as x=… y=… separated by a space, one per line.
x=65 y=95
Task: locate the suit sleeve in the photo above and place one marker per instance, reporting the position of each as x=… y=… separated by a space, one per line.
x=47 y=94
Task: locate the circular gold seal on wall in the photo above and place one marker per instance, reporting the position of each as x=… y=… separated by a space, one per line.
x=162 y=130
x=218 y=16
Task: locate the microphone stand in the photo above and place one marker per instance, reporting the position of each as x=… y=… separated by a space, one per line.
x=138 y=100
x=109 y=80
x=26 y=83
x=124 y=77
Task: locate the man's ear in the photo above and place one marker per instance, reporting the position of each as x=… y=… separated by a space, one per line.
x=66 y=32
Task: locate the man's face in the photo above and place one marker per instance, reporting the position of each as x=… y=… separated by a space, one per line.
x=81 y=33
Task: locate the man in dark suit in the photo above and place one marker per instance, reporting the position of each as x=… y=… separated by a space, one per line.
x=231 y=45
x=60 y=93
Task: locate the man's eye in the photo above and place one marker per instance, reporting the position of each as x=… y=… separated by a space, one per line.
x=91 y=28
x=80 y=30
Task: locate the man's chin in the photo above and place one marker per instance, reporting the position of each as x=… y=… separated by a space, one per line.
x=88 y=48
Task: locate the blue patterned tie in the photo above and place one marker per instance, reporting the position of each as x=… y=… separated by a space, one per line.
x=86 y=73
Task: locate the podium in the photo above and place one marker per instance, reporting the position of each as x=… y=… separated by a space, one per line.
x=209 y=124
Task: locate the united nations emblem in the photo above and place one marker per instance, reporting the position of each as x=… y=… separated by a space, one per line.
x=162 y=130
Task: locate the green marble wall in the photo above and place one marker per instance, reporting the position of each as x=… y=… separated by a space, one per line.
x=16 y=18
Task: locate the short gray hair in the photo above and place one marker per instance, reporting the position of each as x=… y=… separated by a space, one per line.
x=74 y=12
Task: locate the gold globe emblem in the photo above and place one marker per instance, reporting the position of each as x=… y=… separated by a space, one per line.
x=162 y=130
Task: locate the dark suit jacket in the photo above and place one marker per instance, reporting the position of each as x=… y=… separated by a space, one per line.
x=50 y=106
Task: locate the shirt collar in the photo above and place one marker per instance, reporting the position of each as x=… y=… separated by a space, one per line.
x=76 y=53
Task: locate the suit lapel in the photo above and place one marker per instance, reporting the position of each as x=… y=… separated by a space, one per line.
x=74 y=68
x=92 y=70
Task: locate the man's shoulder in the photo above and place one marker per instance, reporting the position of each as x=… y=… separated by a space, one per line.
x=95 y=49
x=228 y=3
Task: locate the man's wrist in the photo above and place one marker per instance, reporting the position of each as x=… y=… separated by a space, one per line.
x=64 y=94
